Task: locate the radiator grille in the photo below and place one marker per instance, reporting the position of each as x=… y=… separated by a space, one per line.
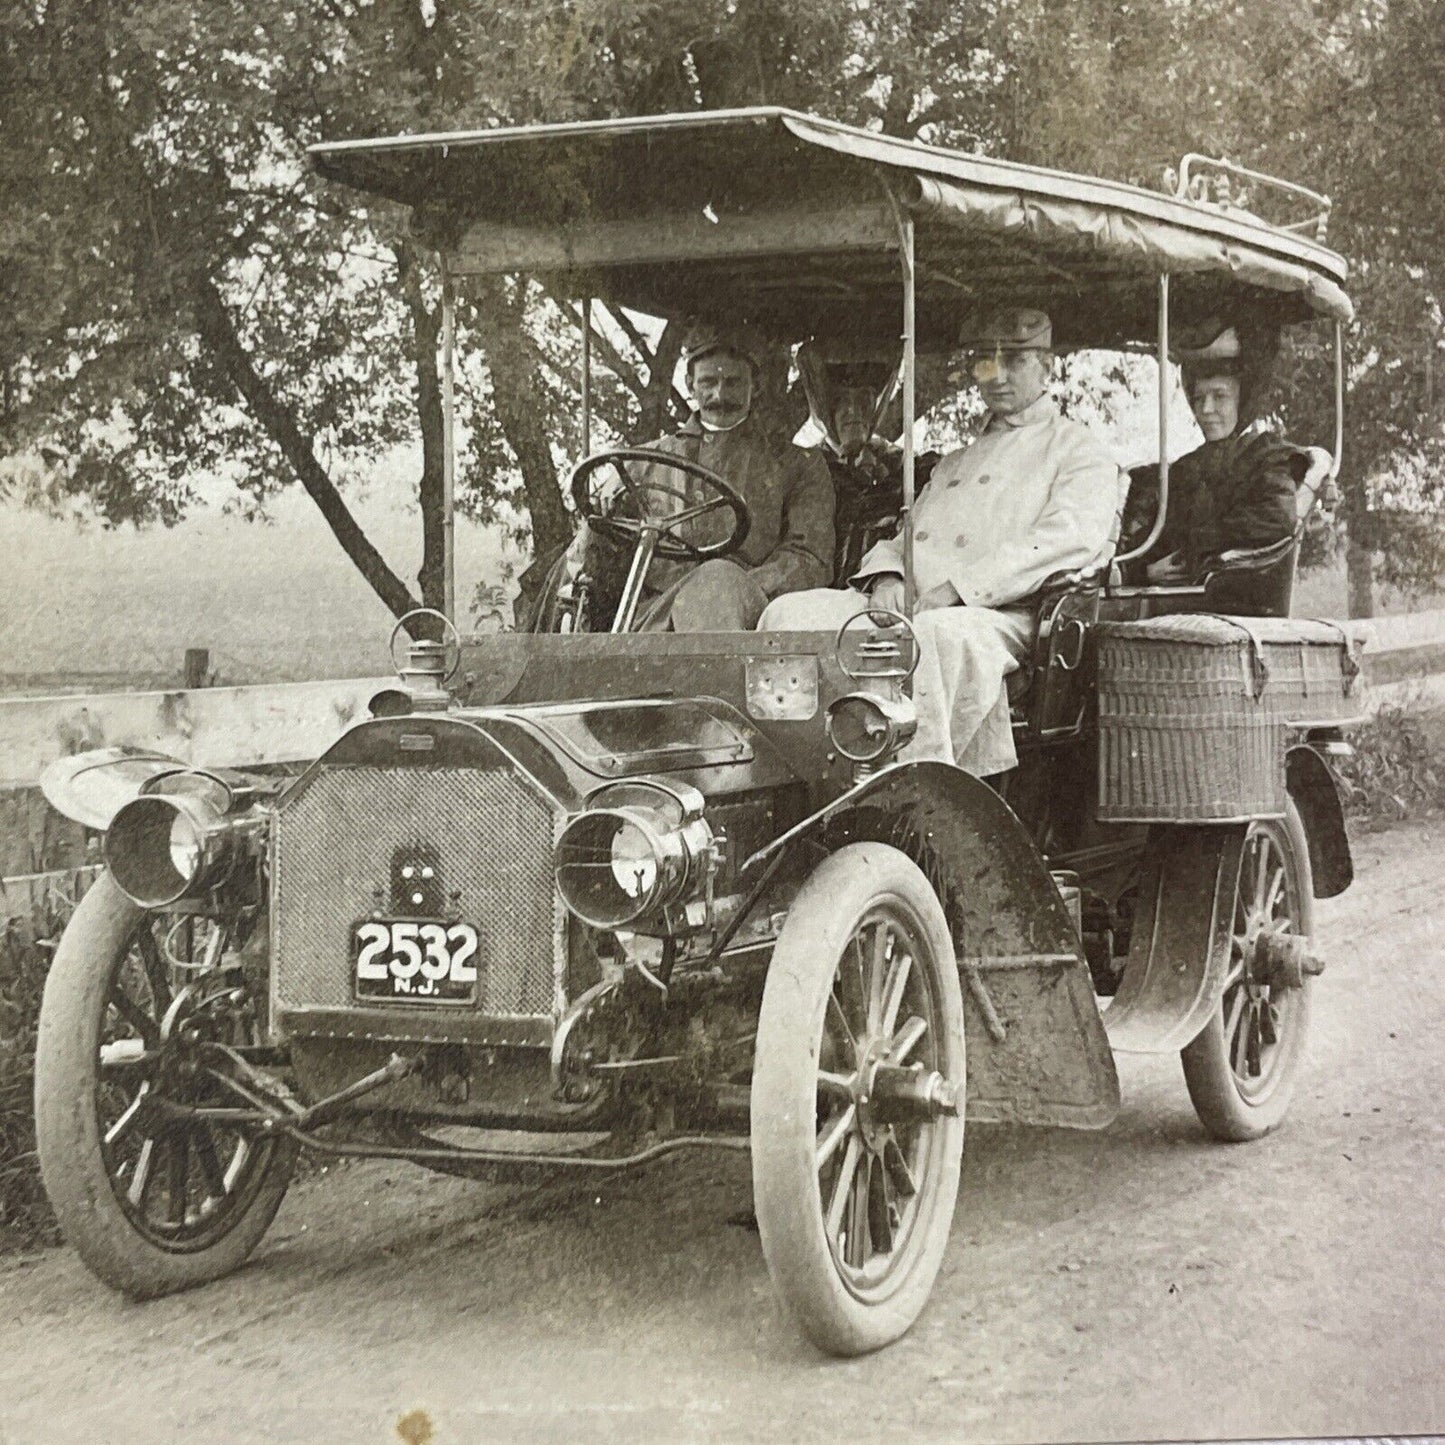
x=333 y=847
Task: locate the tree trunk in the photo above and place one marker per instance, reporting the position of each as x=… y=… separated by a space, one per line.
x=1359 y=576
x=426 y=328
x=219 y=335
x=1359 y=550
x=516 y=391
x=657 y=413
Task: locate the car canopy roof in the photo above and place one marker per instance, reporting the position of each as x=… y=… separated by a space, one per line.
x=786 y=220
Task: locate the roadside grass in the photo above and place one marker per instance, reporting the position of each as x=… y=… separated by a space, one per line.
x=26 y=946
x=1398 y=771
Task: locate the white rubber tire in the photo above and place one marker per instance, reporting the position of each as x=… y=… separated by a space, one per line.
x=788 y=1199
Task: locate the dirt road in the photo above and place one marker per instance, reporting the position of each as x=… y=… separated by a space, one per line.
x=1140 y=1283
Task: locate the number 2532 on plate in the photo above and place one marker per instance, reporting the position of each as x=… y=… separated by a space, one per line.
x=412 y=961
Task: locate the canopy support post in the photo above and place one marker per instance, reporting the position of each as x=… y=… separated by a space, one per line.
x=1163 y=363
x=1339 y=398
x=1162 y=359
x=586 y=376
x=910 y=344
x=903 y=219
x=449 y=445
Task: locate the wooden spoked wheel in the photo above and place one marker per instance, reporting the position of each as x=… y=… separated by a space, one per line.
x=857 y=1100
x=1242 y=1069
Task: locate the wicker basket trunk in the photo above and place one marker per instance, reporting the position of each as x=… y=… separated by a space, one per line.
x=1195 y=711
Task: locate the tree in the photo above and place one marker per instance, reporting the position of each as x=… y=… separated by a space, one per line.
x=181 y=300
x=180 y=294
x=1384 y=118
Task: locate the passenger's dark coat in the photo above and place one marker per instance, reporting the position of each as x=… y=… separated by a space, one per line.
x=868 y=495
x=1239 y=492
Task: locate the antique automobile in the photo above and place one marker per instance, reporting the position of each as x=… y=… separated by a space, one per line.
x=637 y=892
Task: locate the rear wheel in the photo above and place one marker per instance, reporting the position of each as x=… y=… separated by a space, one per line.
x=153 y=1199
x=857 y=1100
x=1242 y=1069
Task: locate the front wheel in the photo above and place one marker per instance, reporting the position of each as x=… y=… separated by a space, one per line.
x=1242 y=1069
x=857 y=1100
x=154 y=1197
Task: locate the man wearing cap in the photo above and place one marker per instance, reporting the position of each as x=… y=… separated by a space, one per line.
x=786 y=488
x=1238 y=489
x=1035 y=494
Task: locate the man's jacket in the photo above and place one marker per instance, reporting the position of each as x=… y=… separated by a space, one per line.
x=1034 y=495
x=788 y=493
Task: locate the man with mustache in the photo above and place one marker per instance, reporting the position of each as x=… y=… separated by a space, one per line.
x=1034 y=494
x=786 y=488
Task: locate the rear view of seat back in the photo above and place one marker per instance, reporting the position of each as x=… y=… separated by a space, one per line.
x=1259 y=582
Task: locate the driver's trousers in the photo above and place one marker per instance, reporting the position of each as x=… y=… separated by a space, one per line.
x=964 y=656
x=716 y=596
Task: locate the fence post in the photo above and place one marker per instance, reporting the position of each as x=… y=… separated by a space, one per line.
x=197 y=666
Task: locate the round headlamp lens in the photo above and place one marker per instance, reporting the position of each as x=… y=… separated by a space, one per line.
x=614 y=866
x=186 y=847
x=634 y=861
x=859 y=728
x=160 y=848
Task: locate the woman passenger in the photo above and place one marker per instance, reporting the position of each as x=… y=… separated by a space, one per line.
x=1238 y=489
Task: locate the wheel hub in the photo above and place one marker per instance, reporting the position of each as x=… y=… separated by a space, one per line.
x=886 y=1094
x=1284 y=960
x=875 y=1130
x=197 y=1017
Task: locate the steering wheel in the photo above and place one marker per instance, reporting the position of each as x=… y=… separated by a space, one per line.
x=665 y=526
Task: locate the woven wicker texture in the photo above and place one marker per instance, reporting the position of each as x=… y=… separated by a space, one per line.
x=1208 y=627
x=1194 y=712
x=1307 y=672
x=1182 y=735
x=334 y=842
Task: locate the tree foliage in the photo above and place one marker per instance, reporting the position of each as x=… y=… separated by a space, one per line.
x=181 y=296
x=1346 y=95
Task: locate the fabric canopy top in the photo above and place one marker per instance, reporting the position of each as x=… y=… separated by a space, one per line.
x=791 y=222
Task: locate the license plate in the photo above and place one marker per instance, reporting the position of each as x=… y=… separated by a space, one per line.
x=408 y=960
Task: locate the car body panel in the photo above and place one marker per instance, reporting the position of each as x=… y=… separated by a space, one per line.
x=1180 y=944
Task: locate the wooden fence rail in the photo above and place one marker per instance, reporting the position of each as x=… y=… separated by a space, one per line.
x=293 y=722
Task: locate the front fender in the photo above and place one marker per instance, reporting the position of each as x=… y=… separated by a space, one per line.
x=90 y=788
x=1037 y=1051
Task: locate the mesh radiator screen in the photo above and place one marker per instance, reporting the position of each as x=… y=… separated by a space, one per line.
x=334 y=846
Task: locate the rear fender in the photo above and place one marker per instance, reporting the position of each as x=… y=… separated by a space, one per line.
x=1037 y=1051
x=1180 y=942
x=1317 y=796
